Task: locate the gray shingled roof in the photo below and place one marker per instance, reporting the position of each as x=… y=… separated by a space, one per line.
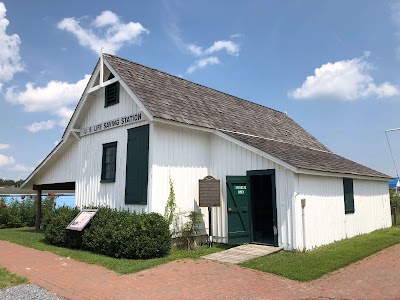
x=305 y=158
x=176 y=99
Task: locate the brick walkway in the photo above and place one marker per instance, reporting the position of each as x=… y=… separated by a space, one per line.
x=376 y=277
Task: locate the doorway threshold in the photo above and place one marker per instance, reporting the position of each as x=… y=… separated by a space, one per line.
x=242 y=253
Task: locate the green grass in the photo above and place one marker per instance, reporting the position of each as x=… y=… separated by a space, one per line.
x=310 y=265
x=8 y=279
x=29 y=238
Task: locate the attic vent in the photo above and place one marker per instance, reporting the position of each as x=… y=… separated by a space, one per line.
x=111 y=93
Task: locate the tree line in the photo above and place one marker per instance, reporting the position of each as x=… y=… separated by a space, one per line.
x=10 y=182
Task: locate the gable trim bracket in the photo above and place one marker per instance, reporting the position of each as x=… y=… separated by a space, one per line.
x=99 y=86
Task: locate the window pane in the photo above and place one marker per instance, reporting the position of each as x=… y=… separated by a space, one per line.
x=109 y=161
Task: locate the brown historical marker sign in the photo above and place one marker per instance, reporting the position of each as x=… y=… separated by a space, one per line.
x=209 y=192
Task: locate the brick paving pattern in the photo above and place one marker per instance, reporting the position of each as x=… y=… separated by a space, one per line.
x=376 y=277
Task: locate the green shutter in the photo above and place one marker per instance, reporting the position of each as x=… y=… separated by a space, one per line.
x=137 y=164
x=348 y=195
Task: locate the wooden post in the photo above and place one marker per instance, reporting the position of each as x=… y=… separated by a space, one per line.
x=38 y=210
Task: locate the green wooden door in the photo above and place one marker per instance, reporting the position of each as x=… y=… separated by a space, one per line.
x=238 y=210
x=137 y=165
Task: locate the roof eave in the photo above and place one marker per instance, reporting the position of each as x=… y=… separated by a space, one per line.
x=342 y=175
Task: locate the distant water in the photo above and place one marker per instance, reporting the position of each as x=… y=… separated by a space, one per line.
x=65 y=201
x=60 y=201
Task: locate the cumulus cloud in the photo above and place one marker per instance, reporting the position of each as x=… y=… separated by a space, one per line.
x=10 y=60
x=344 y=80
x=39 y=126
x=5 y=146
x=56 y=98
x=6 y=160
x=106 y=31
x=202 y=63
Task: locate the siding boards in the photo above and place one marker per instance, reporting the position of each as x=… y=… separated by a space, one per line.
x=325 y=217
x=88 y=151
x=228 y=158
x=189 y=155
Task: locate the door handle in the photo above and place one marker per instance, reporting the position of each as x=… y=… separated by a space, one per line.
x=229 y=209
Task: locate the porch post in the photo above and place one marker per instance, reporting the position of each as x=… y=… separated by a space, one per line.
x=38 y=209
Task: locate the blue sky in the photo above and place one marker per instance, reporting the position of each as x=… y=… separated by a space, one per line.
x=333 y=66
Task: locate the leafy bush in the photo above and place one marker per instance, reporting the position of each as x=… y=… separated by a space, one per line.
x=394 y=199
x=189 y=230
x=19 y=212
x=54 y=228
x=112 y=233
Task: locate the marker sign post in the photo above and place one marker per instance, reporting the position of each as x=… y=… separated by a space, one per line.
x=209 y=196
x=82 y=219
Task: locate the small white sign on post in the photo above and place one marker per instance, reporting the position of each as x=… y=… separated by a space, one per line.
x=82 y=219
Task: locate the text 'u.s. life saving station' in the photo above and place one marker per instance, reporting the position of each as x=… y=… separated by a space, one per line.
x=111 y=124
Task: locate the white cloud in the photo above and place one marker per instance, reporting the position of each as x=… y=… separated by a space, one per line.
x=10 y=60
x=5 y=146
x=202 y=63
x=56 y=143
x=196 y=50
x=344 y=80
x=106 y=18
x=22 y=168
x=56 y=98
x=107 y=31
x=39 y=126
x=236 y=35
x=6 y=160
x=64 y=115
x=231 y=47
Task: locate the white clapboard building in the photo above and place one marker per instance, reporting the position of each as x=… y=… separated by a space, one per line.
x=136 y=127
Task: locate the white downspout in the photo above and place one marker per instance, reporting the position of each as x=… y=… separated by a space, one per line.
x=303 y=218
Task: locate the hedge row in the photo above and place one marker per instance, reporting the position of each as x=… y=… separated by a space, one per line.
x=111 y=232
x=20 y=212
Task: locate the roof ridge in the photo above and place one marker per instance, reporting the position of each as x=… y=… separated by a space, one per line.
x=279 y=141
x=192 y=82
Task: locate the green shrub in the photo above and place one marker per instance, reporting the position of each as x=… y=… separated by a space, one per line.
x=54 y=228
x=124 y=235
x=394 y=199
x=101 y=236
x=19 y=212
x=111 y=232
x=188 y=231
